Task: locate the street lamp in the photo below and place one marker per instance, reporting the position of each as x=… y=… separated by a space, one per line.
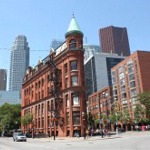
x=100 y=112
x=105 y=96
x=116 y=123
x=83 y=123
x=33 y=126
x=54 y=121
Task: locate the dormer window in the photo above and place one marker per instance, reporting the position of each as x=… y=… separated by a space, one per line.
x=72 y=44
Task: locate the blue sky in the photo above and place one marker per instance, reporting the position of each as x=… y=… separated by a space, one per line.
x=43 y=20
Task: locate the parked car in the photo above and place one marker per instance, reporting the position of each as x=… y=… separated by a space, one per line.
x=18 y=136
x=28 y=135
x=76 y=134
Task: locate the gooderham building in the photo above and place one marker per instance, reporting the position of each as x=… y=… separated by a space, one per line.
x=54 y=91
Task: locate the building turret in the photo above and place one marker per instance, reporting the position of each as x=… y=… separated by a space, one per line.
x=74 y=36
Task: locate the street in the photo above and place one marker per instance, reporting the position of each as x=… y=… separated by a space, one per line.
x=123 y=141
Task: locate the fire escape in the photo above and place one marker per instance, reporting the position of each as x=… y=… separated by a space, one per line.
x=57 y=107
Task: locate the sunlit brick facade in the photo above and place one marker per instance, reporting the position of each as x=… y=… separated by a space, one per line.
x=54 y=90
x=130 y=78
x=99 y=104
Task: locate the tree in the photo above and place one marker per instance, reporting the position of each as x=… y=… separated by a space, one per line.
x=27 y=119
x=90 y=120
x=120 y=116
x=116 y=114
x=113 y=118
x=4 y=123
x=144 y=99
x=10 y=115
x=139 y=114
x=125 y=116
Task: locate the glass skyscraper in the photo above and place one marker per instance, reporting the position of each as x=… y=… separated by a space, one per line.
x=19 y=62
x=55 y=43
x=3 y=79
x=90 y=50
x=98 y=71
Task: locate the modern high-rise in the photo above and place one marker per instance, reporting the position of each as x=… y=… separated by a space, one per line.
x=98 y=71
x=90 y=50
x=19 y=62
x=55 y=43
x=114 y=40
x=10 y=97
x=3 y=79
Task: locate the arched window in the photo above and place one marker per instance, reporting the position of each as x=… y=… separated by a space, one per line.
x=72 y=44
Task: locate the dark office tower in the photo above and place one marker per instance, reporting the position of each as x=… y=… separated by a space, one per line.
x=19 y=62
x=3 y=79
x=114 y=40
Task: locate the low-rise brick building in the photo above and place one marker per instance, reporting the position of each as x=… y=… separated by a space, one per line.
x=99 y=105
x=54 y=90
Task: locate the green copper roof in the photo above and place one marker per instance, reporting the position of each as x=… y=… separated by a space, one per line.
x=73 y=26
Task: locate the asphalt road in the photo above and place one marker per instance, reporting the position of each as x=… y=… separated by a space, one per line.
x=136 y=141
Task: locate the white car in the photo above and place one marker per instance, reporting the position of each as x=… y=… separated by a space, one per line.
x=18 y=136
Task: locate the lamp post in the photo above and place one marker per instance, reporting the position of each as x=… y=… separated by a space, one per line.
x=54 y=121
x=116 y=114
x=33 y=130
x=105 y=96
x=100 y=112
x=116 y=123
x=83 y=124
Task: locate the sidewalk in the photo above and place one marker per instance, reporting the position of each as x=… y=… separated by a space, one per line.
x=134 y=133
x=93 y=138
x=72 y=139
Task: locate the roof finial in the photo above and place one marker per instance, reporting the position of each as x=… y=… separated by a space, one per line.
x=73 y=15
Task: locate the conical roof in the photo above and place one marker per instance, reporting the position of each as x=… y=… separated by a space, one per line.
x=73 y=27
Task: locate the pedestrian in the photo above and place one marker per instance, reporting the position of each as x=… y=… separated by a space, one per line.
x=117 y=132
x=136 y=127
x=91 y=132
x=102 y=132
x=87 y=133
x=106 y=132
x=84 y=134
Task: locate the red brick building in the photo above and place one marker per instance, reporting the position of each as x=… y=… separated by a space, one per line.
x=54 y=90
x=99 y=105
x=130 y=78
